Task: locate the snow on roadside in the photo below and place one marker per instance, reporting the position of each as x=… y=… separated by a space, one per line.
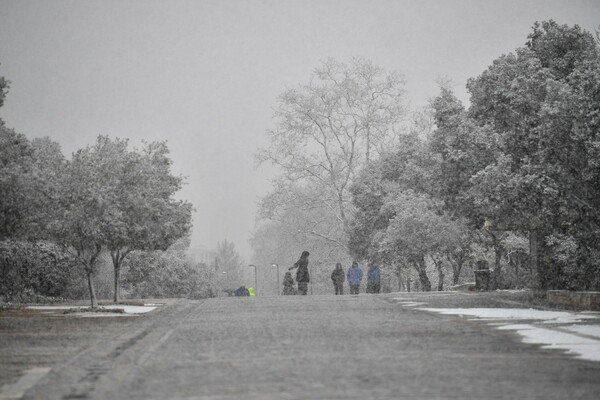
x=563 y=330
x=128 y=310
x=412 y=303
x=588 y=330
x=582 y=347
x=546 y=317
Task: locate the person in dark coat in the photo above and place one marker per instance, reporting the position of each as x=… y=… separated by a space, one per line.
x=288 y=284
x=302 y=276
x=337 y=276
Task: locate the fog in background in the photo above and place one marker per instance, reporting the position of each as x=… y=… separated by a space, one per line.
x=205 y=75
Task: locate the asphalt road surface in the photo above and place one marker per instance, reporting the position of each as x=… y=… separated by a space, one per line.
x=304 y=347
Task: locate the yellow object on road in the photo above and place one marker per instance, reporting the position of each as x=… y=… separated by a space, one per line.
x=251 y=290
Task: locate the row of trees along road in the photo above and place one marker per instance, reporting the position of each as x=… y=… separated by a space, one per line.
x=106 y=198
x=514 y=179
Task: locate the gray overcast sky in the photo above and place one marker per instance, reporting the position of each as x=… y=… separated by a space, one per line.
x=204 y=75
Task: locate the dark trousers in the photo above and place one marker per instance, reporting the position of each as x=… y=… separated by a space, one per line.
x=302 y=288
x=339 y=288
x=373 y=287
x=354 y=289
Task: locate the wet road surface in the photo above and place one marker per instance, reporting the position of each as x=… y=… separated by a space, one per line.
x=310 y=347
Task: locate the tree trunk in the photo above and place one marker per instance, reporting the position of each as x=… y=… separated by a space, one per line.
x=516 y=265
x=420 y=267
x=456 y=273
x=117 y=271
x=345 y=222
x=457 y=264
x=117 y=258
x=90 y=276
x=536 y=241
x=404 y=281
x=439 y=265
x=401 y=285
x=88 y=258
x=368 y=152
x=117 y=294
x=547 y=269
x=497 y=266
x=497 y=258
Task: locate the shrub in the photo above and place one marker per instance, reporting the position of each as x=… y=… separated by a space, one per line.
x=35 y=270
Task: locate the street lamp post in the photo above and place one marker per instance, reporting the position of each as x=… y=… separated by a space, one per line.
x=277 y=265
x=255 y=280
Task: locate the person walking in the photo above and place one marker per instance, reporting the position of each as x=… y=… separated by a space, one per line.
x=337 y=276
x=288 y=284
x=354 y=276
x=302 y=276
x=374 y=278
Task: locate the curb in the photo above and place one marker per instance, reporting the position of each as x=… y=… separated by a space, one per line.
x=584 y=300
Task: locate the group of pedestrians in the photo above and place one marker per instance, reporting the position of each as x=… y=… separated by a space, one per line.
x=354 y=276
x=242 y=291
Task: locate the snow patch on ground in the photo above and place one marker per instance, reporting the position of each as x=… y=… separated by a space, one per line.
x=583 y=347
x=127 y=310
x=568 y=331
x=588 y=330
x=547 y=317
x=411 y=303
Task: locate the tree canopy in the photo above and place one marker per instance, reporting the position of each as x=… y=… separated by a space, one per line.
x=327 y=129
x=524 y=156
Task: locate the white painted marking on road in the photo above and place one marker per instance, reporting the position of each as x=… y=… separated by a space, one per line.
x=16 y=390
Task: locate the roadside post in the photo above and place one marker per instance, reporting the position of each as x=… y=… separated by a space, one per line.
x=255 y=280
x=277 y=265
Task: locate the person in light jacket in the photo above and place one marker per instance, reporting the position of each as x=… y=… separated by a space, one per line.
x=374 y=278
x=354 y=276
x=337 y=276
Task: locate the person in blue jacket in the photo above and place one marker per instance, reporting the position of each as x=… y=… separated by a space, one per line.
x=374 y=278
x=241 y=291
x=354 y=276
